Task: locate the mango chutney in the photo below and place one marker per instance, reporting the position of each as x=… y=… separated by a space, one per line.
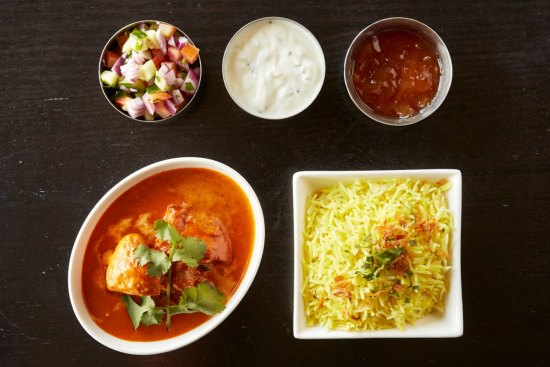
x=396 y=73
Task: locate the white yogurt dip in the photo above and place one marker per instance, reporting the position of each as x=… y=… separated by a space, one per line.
x=273 y=68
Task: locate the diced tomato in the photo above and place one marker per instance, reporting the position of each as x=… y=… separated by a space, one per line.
x=170 y=65
x=174 y=54
x=161 y=110
x=121 y=101
x=159 y=96
x=190 y=52
x=111 y=57
x=158 y=57
x=167 y=30
x=121 y=40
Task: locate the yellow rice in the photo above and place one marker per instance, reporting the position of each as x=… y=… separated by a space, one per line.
x=345 y=224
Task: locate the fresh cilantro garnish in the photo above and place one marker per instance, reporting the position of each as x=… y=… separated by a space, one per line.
x=157 y=260
x=146 y=314
x=190 y=250
x=388 y=255
x=167 y=232
x=375 y=263
x=203 y=298
x=152 y=89
x=189 y=86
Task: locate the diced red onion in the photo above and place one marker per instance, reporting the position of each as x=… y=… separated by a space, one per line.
x=194 y=75
x=183 y=65
x=169 y=64
x=178 y=83
x=138 y=59
x=163 y=70
x=135 y=107
x=116 y=66
x=182 y=41
x=170 y=106
x=130 y=71
x=177 y=97
x=161 y=41
x=172 y=41
x=149 y=106
x=170 y=77
x=146 y=55
x=189 y=81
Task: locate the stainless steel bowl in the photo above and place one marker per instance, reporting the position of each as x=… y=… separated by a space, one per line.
x=109 y=45
x=431 y=38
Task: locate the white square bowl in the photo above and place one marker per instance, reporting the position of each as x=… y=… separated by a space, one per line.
x=449 y=324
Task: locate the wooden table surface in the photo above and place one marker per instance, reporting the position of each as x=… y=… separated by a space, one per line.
x=62 y=147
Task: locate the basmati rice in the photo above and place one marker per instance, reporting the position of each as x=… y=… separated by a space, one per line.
x=376 y=253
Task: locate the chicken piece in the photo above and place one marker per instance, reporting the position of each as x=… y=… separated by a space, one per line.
x=184 y=276
x=192 y=223
x=125 y=275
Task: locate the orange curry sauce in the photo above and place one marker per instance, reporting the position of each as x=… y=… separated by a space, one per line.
x=206 y=190
x=396 y=73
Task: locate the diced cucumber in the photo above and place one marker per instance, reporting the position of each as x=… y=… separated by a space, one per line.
x=138 y=43
x=147 y=71
x=109 y=78
x=160 y=82
x=127 y=47
x=139 y=84
x=149 y=117
x=152 y=38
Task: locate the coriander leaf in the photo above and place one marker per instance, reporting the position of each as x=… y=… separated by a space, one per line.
x=203 y=298
x=167 y=232
x=388 y=255
x=157 y=260
x=146 y=314
x=153 y=315
x=152 y=89
x=189 y=86
x=191 y=250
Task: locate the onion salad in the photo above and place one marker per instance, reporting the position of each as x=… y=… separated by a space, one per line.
x=152 y=71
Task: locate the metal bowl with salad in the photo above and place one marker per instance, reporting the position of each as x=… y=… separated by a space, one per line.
x=150 y=71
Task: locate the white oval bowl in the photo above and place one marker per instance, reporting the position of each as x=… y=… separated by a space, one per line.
x=81 y=242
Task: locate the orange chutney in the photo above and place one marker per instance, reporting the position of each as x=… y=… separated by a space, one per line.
x=206 y=190
x=396 y=73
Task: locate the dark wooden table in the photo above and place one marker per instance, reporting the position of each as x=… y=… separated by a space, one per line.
x=62 y=147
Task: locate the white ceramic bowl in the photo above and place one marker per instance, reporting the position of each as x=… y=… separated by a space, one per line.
x=450 y=324
x=238 y=80
x=77 y=257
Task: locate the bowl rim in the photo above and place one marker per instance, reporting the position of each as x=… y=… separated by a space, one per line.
x=441 y=93
x=316 y=44
x=74 y=279
x=101 y=67
x=451 y=322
